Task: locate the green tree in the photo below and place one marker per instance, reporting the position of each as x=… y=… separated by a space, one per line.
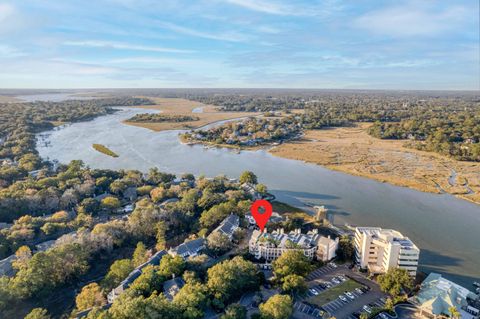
x=110 y=203
x=395 y=280
x=345 y=249
x=277 y=307
x=161 y=235
x=454 y=313
x=191 y=300
x=119 y=270
x=248 y=177
x=230 y=279
x=291 y=262
x=218 y=243
x=90 y=296
x=261 y=188
x=139 y=255
x=37 y=313
x=171 y=266
x=235 y=311
x=294 y=284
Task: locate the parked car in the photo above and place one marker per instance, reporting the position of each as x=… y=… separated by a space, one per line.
x=359 y=291
x=349 y=295
x=343 y=298
x=383 y=315
x=335 y=281
x=367 y=309
x=313 y=291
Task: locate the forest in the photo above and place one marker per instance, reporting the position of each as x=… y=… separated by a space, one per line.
x=159 y=118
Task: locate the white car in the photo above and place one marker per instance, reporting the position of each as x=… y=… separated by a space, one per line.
x=359 y=291
x=367 y=309
x=333 y=265
x=313 y=291
x=342 y=297
x=349 y=295
x=335 y=281
x=383 y=316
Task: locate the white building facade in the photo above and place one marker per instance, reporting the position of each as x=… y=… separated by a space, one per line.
x=379 y=250
x=270 y=246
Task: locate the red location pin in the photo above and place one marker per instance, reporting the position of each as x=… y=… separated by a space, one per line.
x=261 y=218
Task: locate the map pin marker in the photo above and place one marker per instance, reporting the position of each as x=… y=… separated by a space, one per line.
x=261 y=218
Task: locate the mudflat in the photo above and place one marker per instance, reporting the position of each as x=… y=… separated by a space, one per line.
x=207 y=114
x=352 y=150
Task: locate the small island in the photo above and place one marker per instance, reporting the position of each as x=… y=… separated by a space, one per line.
x=161 y=118
x=105 y=150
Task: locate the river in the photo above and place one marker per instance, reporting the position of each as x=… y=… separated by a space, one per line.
x=446 y=229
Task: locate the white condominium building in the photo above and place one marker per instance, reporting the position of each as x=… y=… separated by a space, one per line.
x=270 y=246
x=379 y=250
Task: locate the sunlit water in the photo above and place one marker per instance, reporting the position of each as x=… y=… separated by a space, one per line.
x=446 y=229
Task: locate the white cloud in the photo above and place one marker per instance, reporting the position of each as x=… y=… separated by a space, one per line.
x=7 y=51
x=6 y=10
x=226 y=36
x=289 y=8
x=414 y=19
x=122 y=46
x=262 y=6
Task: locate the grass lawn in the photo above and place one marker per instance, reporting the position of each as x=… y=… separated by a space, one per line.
x=334 y=292
x=290 y=211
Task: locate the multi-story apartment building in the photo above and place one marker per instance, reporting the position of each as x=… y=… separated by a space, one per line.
x=379 y=250
x=270 y=246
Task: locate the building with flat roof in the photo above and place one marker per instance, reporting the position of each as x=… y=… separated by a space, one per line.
x=438 y=294
x=379 y=250
x=270 y=246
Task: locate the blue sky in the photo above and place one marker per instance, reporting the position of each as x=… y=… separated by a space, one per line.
x=418 y=44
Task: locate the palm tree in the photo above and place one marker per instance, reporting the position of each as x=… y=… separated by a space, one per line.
x=454 y=313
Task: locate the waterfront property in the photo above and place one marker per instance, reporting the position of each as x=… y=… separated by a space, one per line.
x=270 y=246
x=379 y=250
x=438 y=295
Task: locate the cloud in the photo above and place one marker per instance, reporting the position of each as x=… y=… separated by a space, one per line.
x=313 y=8
x=226 y=36
x=122 y=46
x=262 y=6
x=414 y=19
x=7 y=51
x=6 y=10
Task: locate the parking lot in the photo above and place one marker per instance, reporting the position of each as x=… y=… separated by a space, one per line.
x=338 y=291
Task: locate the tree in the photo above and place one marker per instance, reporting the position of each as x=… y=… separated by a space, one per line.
x=261 y=188
x=294 y=284
x=37 y=313
x=161 y=235
x=389 y=304
x=248 y=177
x=454 y=313
x=218 y=243
x=191 y=300
x=139 y=255
x=110 y=203
x=277 y=307
x=89 y=206
x=90 y=296
x=363 y=315
x=235 y=311
x=23 y=256
x=345 y=249
x=395 y=280
x=230 y=279
x=291 y=262
x=171 y=266
x=119 y=270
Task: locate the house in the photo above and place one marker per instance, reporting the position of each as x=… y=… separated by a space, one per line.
x=379 y=250
x=172 y=287
x=438 y=294
x=188 y=249
x=327 y=248
x=6 y=268
x=252 y=224
x=154 y=261
x=270 y=246
x=130 y=194
x=228 y=226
